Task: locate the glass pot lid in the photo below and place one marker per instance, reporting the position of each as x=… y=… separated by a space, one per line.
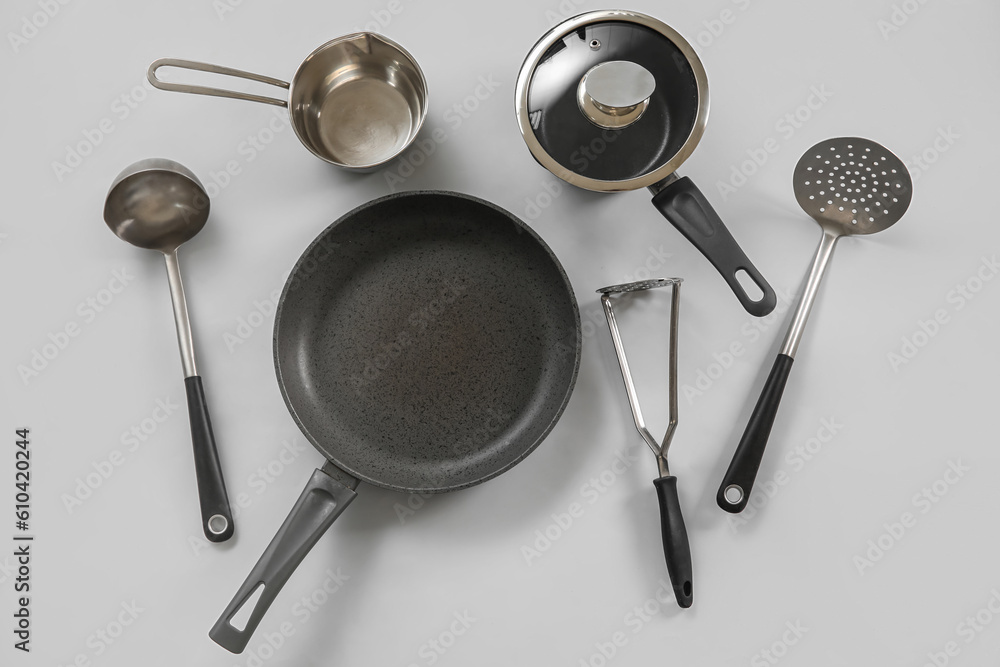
x=612 y=100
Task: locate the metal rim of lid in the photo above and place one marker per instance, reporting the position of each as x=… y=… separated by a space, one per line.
x=570 y=25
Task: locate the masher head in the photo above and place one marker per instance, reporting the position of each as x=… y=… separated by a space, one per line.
x=851 y=185
x=640 y=285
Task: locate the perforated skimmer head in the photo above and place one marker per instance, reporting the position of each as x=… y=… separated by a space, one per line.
x=851 y=185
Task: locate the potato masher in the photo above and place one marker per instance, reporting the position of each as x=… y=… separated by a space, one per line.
x=675 y=540
x=849 y=186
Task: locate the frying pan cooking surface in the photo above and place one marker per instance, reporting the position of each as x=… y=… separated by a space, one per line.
x=427 y=341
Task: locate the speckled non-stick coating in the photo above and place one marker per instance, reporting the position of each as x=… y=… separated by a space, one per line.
x=427 y=341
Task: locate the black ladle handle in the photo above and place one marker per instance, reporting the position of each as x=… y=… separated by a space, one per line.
x=216 y=514
x=734 y=492
x=687 y=209
x=676 y=547
x=322 y=501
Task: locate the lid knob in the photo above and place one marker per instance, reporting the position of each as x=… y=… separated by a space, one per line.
x=614 y=94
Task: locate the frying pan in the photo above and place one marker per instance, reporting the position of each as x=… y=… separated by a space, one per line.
x=425 y=342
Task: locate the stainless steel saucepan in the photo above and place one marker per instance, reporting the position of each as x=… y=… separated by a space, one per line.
x=357 y=101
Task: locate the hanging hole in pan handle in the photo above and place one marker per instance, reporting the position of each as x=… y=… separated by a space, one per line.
x=682 y=203
x=216 y=92
x=321 y=502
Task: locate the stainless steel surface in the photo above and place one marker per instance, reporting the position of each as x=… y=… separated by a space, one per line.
x=659 y=448
x=848 y=185
x=159 y=204
x=655 y=188
x=356 y=102
x=216 y=92
x=548 y=40
x=218 y=524
x=615 y=94
x=816 y=272
x=181 y=320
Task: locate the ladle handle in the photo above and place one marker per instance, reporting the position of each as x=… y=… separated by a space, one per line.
x=676 y=547
x=322 y=501
x=216 y=513
x=687 y=209
x=217 y=92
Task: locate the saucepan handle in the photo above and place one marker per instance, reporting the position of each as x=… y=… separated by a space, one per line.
x=687 y=209
x=217 y=92
x=322 y=501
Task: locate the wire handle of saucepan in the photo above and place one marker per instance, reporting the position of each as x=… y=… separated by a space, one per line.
x=676 y=546
x=216 y=92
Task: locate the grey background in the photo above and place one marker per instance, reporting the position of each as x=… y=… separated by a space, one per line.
x=926 y=90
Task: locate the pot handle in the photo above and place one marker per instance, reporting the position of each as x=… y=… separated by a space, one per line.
x=687 y=209
x=322 y=501
x=217 y=92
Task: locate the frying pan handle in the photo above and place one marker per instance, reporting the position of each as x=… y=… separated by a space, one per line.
x=676 y=547
x=217 y=92
x=687 y=209
x=743 y=468
x=322 y=501
x=216 y=514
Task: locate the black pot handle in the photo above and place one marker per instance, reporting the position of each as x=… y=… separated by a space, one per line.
x=675 y=540
x=216 y=514
x=322 y=501
x=743 y=468
x=683 y=204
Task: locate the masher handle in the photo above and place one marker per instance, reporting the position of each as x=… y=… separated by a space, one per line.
x=676 y=547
